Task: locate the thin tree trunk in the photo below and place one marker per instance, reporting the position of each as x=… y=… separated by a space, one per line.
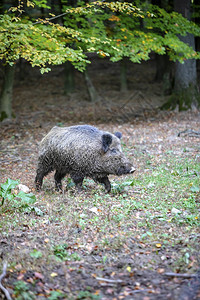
x=185 y=86
x=69 y=78
x=6 y=93
x=185 y=74
x=123 y=76
x=94 y=95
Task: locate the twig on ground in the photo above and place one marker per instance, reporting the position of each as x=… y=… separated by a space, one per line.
x=1 y=286
x=184 y=275
x=137 y=291
x=109 y=280
x=189 y=132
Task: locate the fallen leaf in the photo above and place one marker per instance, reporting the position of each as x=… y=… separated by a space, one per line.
x=39 y=275
x=20 y=277
x=94 y=210
x=128 y=269
x=161 y=270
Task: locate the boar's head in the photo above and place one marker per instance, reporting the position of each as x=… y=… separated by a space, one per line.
x=113 y=159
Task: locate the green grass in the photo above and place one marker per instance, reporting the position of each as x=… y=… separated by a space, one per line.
x=135 y=218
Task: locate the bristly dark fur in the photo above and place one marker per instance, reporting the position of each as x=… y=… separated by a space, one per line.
x=81 y=151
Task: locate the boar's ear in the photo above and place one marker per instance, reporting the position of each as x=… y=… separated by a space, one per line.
x=118 y=134
x=106 y=141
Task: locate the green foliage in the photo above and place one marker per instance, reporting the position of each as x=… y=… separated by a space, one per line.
x=122 y=186
x=41 y=45
x=18 y=200
x=195 y=189
x=6 y=190
x=55 y=295
x=36 y=253
x=60 y=251
x=62 y=254
x=114 y=30
x=111 y=29
x=41 y=3
x=87 y=295
x=21 y=291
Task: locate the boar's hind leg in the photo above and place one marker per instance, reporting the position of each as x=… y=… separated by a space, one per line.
x=78 y=180
x=58 y=177
x=106 y=183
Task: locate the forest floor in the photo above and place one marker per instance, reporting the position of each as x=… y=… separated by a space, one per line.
x=142 y=240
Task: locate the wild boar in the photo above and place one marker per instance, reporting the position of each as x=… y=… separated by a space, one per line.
x=81 y=151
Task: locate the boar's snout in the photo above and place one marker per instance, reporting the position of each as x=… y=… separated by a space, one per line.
x=132 y=170
x=126 y=169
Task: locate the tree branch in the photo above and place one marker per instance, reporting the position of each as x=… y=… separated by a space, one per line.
x=50 y=19
x=109 y=280
x=184 y=275
x=189 y=132
x=1 y=286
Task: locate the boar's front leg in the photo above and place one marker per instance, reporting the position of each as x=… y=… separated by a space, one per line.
x=58 y=177
x=42 y=171
x=106 y=183
x=78 y=180
x=38 y=180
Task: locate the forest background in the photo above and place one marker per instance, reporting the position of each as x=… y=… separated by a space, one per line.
x=122 y=66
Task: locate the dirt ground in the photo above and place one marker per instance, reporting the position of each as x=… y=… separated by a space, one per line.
x=38 y=105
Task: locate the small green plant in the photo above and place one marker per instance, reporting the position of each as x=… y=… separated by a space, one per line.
x=70 y=183
x=122 y=186
x=74 y=256
x=6 y=190
x=146 y=235
x=22 y=291
x=56 y=295
x=195 y=189
x=36 y=253
x=21 y=200
x=104 y=259
x=62 y=254
x=60 y=251
x=87 y=295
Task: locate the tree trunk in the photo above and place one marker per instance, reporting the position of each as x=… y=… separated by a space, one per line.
x=6 y=93
x=94 y=95
x=164 y=73
x=185 y=85
x=69 y=78
x=123 y=76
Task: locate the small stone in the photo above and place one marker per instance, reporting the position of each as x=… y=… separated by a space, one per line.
x=23 y=188
x=175 y=211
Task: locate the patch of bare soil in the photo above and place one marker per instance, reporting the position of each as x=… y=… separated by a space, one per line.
x=39 y=104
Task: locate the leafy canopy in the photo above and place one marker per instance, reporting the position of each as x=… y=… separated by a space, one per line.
x=115 y=30
x=122 y=30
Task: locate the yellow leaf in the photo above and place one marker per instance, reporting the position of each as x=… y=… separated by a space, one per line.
x=30 y=3
x=160 y=270
x=53 y=274
x=114 y=18
x=128 y=269
x=158 y=245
